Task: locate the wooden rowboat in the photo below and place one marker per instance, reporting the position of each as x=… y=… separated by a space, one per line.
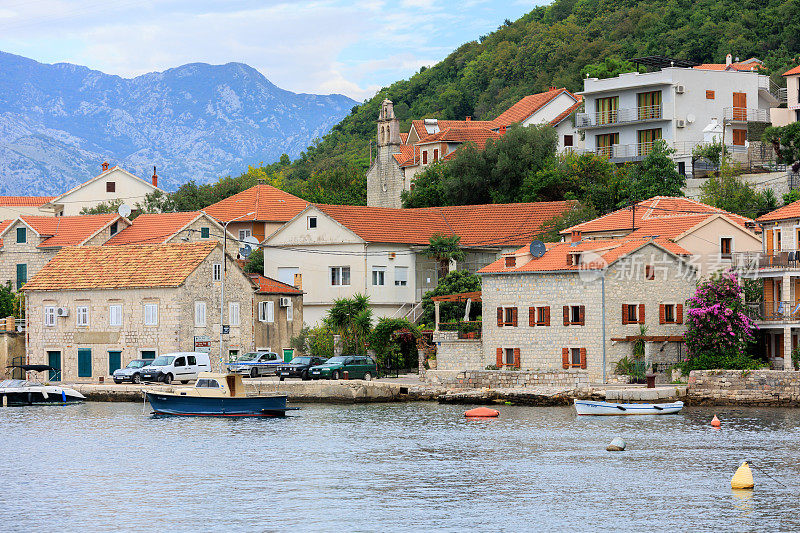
x=589 y=407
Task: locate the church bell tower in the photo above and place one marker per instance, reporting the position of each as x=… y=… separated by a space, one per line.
x=385 y=177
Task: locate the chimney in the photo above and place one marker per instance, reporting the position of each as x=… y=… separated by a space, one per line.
x=298 y=281
x=155 y=178
x=575 y=235
x=728 y=60
x=469 y=119
x=552 y=88
x=502 y=130
x=105 y=166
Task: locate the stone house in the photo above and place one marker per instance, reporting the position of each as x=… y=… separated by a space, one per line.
x=164 y=228
x=278 y=311
x=92 y=309
x=27 y=243
x=581 y=304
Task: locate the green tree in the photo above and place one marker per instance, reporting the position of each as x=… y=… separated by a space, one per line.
x=7 y=300
x=456 y=282
x=786 y=141
x=255 y=263
x=730 y=192
x=610 y=67
x=394 y=342
x=102 y=208
x=656 y=175
x=352 y=319
x=443 y=249
x=578 y=214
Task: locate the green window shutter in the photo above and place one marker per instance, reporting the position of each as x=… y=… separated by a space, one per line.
x=205 y=233
x=84 y=363
x=114 y=361
x=22 y=235
x=22 y=275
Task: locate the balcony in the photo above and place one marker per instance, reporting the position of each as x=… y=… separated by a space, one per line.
x=638 y=151
x=469 y=330
x=745 y=114
x=603 y=119
x=749 y=263
x=774 y=311
x=767 y=85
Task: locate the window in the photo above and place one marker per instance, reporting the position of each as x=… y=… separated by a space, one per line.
x=607 y=110
x=573 y=357
x=401 y=276
x=725 y=247
x=539 y=316
x=671 y=314
x=217 y=272
x=605 y=144
x=509 y=356
x=22 y=235
x=378 y=276
x=180 y=361
x=114 y=228
x=207 y=384
x=511 y=261
x=22 y=275
x=150 y=314
x=340 y=276
x=646 y=140
x=205 y=233
x=649 y=105
x=777 y=239
x=312 y=222
x=82 y=313
x=709 y=95
x=244 y=233
x=633 y=313
x=199 y=314
x=425 y=157
x=568 y=141
x=49 y=316
x=266 y=312
x=574 y=315
x=435 y=154
x=289 y=312
x=191 y=360
x=233 y=313
x=114 y=315
x=649 y=272
x=507 y=316
x=682 y=167
x=111 y=186
x=739 y=137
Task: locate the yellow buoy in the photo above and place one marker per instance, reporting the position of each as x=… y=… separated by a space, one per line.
x=743 y=478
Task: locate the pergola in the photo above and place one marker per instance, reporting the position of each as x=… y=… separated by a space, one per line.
x=474 y=296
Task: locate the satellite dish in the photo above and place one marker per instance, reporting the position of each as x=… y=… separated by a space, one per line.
x=124 y=210
x=690 y=118
x=248 y=244
x=538 y=248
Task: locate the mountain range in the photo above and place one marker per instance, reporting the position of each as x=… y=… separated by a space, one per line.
x=59 y=122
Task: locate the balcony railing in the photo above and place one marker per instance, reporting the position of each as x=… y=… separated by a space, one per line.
x=466 y=330
x=752 y=261
x=618 y=116
x=745 y=114
x=766 y=84
x=775 y=311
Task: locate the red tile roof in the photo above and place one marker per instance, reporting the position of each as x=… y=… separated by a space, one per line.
x=604 y=252
x=747 y=65
x=477 y=135
x=24 y=201
x=792 y=71
x=787 y=212
x=272 y=286
x=67 y=231
x=477 y=225
x=660 y=215
x=528 y=106
x=268 y=203
x=567 y=112
x=153 y=228
x=409 y=155
x=124 y=267
x=403 y=137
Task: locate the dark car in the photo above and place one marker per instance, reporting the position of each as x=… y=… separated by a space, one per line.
x=298 y=367
x=132 y=372
x=356 y=366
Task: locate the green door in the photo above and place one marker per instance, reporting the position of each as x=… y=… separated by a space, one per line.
x=288 y=354
x=114 y=361
x=54 y=360
x=84 y=363
x=148 y=354
x=22 y=275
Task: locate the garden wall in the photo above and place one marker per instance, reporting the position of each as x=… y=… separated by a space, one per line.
x=508 y=379
x=744 y=387
x=453 y=353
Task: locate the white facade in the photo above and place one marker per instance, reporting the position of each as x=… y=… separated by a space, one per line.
x=781 y=116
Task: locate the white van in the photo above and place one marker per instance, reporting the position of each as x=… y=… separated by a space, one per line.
x=178 y=366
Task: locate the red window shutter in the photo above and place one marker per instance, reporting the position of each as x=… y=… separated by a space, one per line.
x=531 y=316
x=499 y=358
x=641 y=313
x=583 y=358
x=565 y=357
x=661 y=315
x=547 y=316
x=566 y=315
x=516 y=357
x=514 y=316
x=624 y=313
x=679 y=313
x=582 y=315
x=500 y=317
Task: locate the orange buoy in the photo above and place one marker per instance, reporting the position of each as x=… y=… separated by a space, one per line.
x=715 y=423
x=482 y=412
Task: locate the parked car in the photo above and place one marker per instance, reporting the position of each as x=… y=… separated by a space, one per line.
x=180 y=366
x=132 y=372
x=356 y=366
x=298 y=367
x=254 y=364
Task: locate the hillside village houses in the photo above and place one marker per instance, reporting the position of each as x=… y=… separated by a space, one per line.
x=338 y=251
x=163 y=228
x=278 y=311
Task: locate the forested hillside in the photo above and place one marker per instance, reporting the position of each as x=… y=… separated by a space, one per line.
x=550 y=46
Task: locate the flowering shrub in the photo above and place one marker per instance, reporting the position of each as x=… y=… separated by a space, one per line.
x=718 y=329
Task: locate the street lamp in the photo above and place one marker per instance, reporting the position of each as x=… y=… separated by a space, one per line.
x=222 y=288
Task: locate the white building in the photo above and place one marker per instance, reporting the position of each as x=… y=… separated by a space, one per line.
x=625 y=114
x=791 y=113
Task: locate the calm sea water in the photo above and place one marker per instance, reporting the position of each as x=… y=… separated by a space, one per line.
x=394 y=467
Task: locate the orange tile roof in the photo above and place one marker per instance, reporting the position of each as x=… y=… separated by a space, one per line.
x=409 y=155
x=527 y=106
x=477 y=135
x=3 y=226
x=403 y=137
x=68 y=231
x=660 y=215
x=787 y=212
x=747 y=65
x=153 y=228
x=422 y=131
x=24 y=201
x=567 y=112
x=792 y=71
x=555 y=258
x=268 y=203
x=272 y=286
x=124 y=267
x=477 y=225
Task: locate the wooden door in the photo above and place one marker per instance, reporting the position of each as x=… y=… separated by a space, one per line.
x=770 y=241
x=54 y=360
x=739 y=106
x=769 y=298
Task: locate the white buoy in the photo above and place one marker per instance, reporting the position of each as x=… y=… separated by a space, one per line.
x=617 y=445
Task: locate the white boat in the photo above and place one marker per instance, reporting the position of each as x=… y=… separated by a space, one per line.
x=589 y=407
x=24 y=392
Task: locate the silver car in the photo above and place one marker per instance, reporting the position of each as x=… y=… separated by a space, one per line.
x=256 y=364
x=132 y=372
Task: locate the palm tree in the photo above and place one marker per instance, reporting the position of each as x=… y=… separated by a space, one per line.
x=444 y=249
x=352 y=319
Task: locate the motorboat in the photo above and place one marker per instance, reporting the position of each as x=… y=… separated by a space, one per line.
x=216 y=394
x=26 y=392
x=589 y=407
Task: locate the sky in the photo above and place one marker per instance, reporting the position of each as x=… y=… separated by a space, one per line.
x=324 y=46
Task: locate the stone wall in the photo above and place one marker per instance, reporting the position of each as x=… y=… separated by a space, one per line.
x=507 y=379
x=453 y=353
x=744 y=387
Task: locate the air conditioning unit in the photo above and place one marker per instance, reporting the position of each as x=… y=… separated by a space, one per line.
x=680 y=89
x=680 y=123
x=285 y=302
x=62 y=311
